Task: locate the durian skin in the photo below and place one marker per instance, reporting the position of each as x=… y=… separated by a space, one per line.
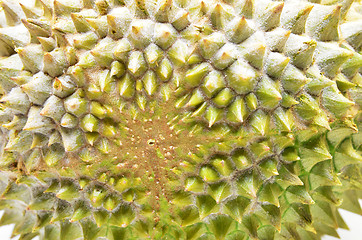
x=236 y=119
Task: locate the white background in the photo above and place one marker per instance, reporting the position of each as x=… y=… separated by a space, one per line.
x=353 y=221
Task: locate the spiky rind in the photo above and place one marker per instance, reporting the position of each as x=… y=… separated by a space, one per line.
x=201 y=120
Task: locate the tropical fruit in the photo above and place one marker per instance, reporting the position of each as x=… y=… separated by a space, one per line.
x=202 y=119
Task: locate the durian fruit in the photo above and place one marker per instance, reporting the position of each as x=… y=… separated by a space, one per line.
x=175 y=119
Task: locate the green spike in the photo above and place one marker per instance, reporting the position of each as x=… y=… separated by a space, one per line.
x=209 y=45
x=325 y=193
x=69 y=229
x=118 y=21
x=251 y=224
x=325 y=229
x=31 y=56
x=324 y=212
x=17 y=36
x=251 y=101
x=180 y=20
x=220 y=225
x=295 y=16
x=248 y=184
x=76 y=104
x=238 y=30
x=68 y=190
x=17 y=123
x=241 y=77
x=196 y=74
x=351 y=31
x=343 y=83
x=224 y=97
x=208 y=174
x=69 y=121
x=43 y=219
x=206 y=205
x=195 y=100
x=293 y=79
x=224 y=57
x=39 y=140
x=165 y=35
x=101 y=216
x=86 y=60
x=17 y=192
x=276 y=39
x=269 y=193
x=64 y=7
x=322 y=174
x=194 y=184
x=300 y=50
x=254 y=53
x=136 y=64
x=268 y=168
x=72 y=139
x=55 y=62
x=345 y=155
x=12 y=13
x=16 y=99
x=90 y=229
x=99 y=25
x=269 y=15
x=141 y=33
x=54 y=155
x=81 y=210
x=287 y=178
x=162 y=13
x=260 y=122
x=11 y=216
x=212 y=115
x=63 y=210
x=276 y=63
x=63 y=86
x=78 y=75
x=284 y=120
x=330 y=58
x=248 y=8
x=335 y=102
x=37 y=28
x=298 y=194
x=236 y=207
x=351 y=202
x=36 y=122
x=80 y=22
x=117 y=69
x=122 y=216
x=85 y=40
x=267 y=93
x=39 y=88
x=213 y=82
x=43 y=201
x=103 y=52
x=351 y=67
x=319 y=82
x=307 y=107
x=102 y=6
x=30 y=12
x=164 y=70
x=237 y=111
x=322 y=22
x=299 y=214
x=219 y=16
x=313 y=152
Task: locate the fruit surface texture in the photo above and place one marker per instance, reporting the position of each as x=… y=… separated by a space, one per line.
x=176 y=119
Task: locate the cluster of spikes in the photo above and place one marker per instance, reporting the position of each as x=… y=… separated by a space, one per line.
x=176 y=119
